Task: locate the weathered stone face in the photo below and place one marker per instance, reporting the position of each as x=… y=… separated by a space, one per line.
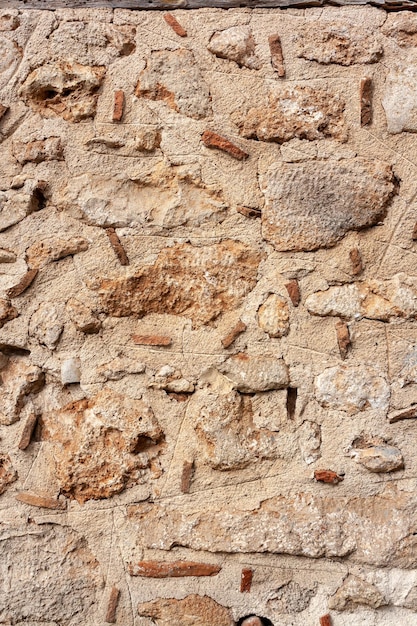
x=215 y=279
x=400 y=94
x=235 y=44
x=352 y=388
x=308 y=206
x=193 y=610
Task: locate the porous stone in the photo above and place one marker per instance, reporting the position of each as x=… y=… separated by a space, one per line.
x=46 y=324
x=16 y=204
x=274 y=316
x=291 y=598
x=235 y=44
x=250 y=374
x=374 y=299
x=338 y=42
x=400 y=96
x=299 y=111
x=174 y=77
x=379 y=457
x=49 y=149
x=54 y=249
x=308 y=206
x=352 y=388
x=82 y=317
x=103 y=444
x=193 y=610
x=7 y=472
x=19 y=380
x=66 y=89
x=356 y=592
x=217 y=276
x=402 y=27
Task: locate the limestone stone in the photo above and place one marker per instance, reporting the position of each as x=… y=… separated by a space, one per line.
x=65 y=89
x=16 y=204
x=400 y=96
x=353 y=592
x=82 y=316
x=7 y=472
x=103 y=444
x=235 y=44
x=378 y=458
x=402 y=27
x=308 y=206
x=338 y=42
x=7 y=311
x=250 y=374
x=274 y=316
x=10 y=57
x=223 y=424
x=147 y=140
x=373 y=299
x=352 y=388
x=70 y=371
x=53 y=249
x=217 y=276
x=174 y=77
x=309 y=438
x=300 y=111
x=193 y=610
x=118 y=368
x=49 y=149
x=70 y=587
x=46 y=324
x=19 y=380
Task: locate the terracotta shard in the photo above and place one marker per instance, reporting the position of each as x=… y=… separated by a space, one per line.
x=117 y=246
x=112 y=606
x=327 y=476
x=277 y=57
x=366 y=90
x=27 y=432
x=325 y=620
x=152 y=340
x=175 y=25
x=41 y=501
x=343 y=338
x=246 y=580
x=356 y=260
x=187 y=474
x=294 y=291
x=234 y=334
x=174 y=569
x=213 y=140
x=118 y=106
x=23 y=284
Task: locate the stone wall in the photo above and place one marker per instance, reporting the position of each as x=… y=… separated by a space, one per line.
x=208 y=277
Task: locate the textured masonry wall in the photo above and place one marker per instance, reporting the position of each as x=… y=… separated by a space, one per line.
x=208 y=278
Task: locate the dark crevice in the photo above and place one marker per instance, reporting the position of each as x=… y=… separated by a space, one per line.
x=291 y=402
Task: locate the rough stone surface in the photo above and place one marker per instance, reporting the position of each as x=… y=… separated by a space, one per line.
x=249 y=374
x=352 y=388
x=338 y=42
x=7 y=473
x=400 y=95
x=19 y=381
x=235 y=44
x=193 y=610
x=305 y=208
x=354 y=592
x=46 y=324
x=376 y=455
x=299 y=111
x=274 y=316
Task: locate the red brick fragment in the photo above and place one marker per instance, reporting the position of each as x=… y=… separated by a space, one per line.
x=119 y=105
x=213 y=140
x=27 y=431
x=325 y=620
x=327 y=476
x=249 y=211
x=23 y=284
x=246 y=580
x=112 y=606
x=277 y=57
x=41 y=501
x=187 y=474
x=366 y=90
x=294 y=291
x=152 y=340
x=415 y=232
x=117 y=246
x=175 y=569
x=175 y=25
x=234 y=333
x=356 y=260
x=343 y=338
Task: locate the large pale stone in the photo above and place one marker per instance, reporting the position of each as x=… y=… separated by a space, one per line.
x=174 y=77
x=377 y=456
x=352 y=388
x=66 y=89
x=400 y=96
x=339 y=42
x=312 y=205
x=356 y=592
x=299 y=111
x=250 y=374
x=236 y=44
x=50 y=575
x=193 y=610
x=196 y=282
x=47 y=324
x=373 y=299
x=53 y=249
x=274 y=316
x=102 y=445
